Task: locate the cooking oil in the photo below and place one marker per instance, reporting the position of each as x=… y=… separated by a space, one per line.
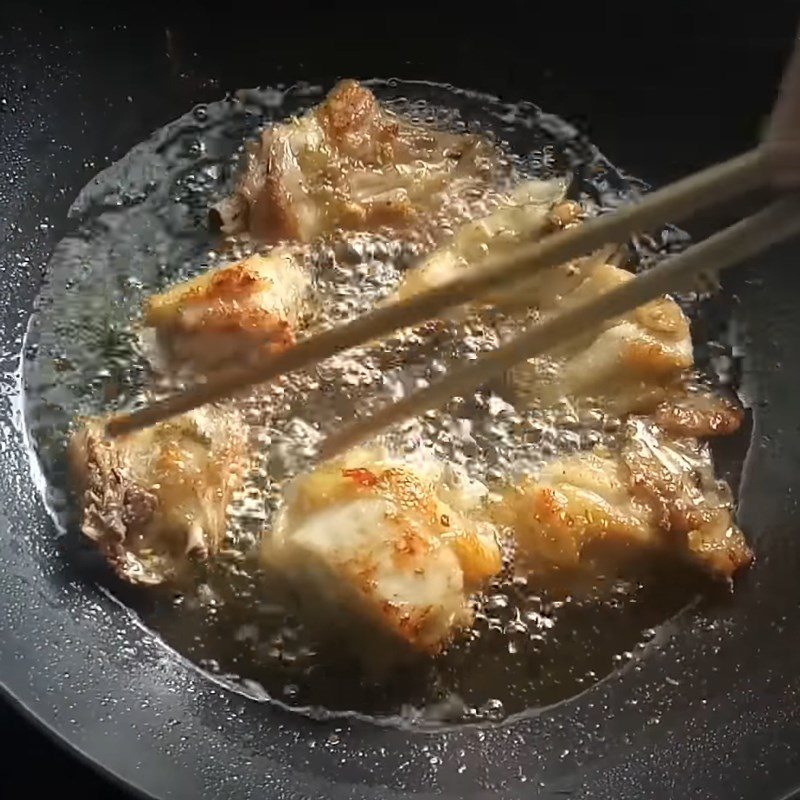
x=140 y=226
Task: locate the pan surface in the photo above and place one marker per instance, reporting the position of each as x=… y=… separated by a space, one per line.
x=712 y=712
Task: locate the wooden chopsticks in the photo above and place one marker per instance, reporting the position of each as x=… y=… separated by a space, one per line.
x=708 y=187
x=753 y=234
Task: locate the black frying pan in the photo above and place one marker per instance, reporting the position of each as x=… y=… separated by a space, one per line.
x=662 y=95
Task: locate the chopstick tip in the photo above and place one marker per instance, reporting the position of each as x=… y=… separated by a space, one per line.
x=338 y=443
x=118 y=425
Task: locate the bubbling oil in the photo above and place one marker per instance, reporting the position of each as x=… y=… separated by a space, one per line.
x=140 y=226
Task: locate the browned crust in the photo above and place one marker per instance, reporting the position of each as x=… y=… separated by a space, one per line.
x=689 y=511
x=290 y=191
x=702 y=415
x=128 y=521
x=113 y=506
x=353 y=120
x=349 y=106
x=272 y=217
x=651 y=357
x=676 y=507
x=421 y=524
x=225 y=305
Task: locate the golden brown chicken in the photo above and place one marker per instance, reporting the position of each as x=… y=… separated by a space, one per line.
x=531 y=211
x=156 y=499
x=233 y=312
x=376 y=546
x=657 y=495
x=350 y=164
x=628 y=365
x=698 y=412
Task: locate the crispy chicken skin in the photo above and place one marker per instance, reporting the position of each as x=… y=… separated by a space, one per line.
x=698 y=413
x=346 y=164
x=531 y=211
x=367 y=541
x=656 y=495
x=630 y=364
x=676 y=475
x=155 y=499
x=244 y=308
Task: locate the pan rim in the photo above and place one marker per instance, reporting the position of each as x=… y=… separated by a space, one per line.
x=655 y=663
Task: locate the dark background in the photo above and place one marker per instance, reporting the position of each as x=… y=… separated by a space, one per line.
x=662 y=89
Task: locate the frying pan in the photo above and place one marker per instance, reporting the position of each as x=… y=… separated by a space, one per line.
x=712 y=712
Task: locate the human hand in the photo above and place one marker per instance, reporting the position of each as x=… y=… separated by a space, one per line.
x=782 y=139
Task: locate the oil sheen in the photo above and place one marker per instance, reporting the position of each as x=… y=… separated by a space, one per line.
x=141 y=225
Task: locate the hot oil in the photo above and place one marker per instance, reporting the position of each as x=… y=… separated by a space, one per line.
x=140 y=226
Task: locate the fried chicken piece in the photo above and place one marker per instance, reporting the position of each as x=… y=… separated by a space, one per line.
x=676 y=476
x=347 y=164
x=571 y=504
x=534 y=209
x=156 y=499
x=657 y=495
x=699 y=413
x=380 y=547
x=232 y=312
x=630 y=364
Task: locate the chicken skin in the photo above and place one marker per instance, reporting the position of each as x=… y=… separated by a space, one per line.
x=234 y=312
x=156 y=499
x=347 y=164
x=371 y=542
x=531 y=211
x=657 y=495
x=630 y=364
